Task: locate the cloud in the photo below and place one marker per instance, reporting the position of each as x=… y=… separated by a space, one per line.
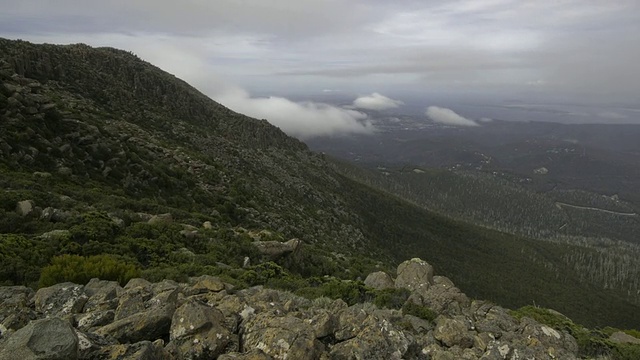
x=448 y=117
x=300 y=119
x=612 y=115
x=376 y=101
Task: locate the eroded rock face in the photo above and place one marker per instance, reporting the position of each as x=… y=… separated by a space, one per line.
x=207 y=319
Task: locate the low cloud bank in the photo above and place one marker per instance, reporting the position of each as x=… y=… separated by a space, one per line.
x=448 y=117
x=376 y=101
x=299 y=119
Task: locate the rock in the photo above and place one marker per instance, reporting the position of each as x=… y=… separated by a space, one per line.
x=25 y=207
x=207 y=225
x=55 y=235
x=452 y=332
x=198 y=332
x=161 y=219
x=91 y=320
x=414 y=274
x=442 y=297
x=150 y=325
x=379 y=280
x=204 y=284
x=380 y=340
x=15 y=311
x=103 y=295
x=51 y=338
x=492 y=319
x=60 y=300
x=143 y=350
x=55 y=215
x=276 y=249
x=622 y=338
x=282 y=337
x=254 y=354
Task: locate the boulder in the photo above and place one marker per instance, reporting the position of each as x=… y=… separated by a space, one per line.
x=51 y=338
x=14 y=307
x=143 y=350
x=379 y=280
x=204 y=284
x=198 y=332
x=55 y=235
x=442 y=297
x=376 y=341
x=254 y=354
x=276 y=249
x=414 y=274
x=25 y=207
x=622 y=338
x=60 y=300
x=282 y=337
x=150 y=325
x=452 y=332
x=103 y=295
x=161 y=219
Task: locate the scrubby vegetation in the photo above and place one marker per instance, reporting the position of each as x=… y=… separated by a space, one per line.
x=592 y=343
x=107 y=159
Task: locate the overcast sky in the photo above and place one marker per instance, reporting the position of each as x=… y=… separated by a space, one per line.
x=380 y=50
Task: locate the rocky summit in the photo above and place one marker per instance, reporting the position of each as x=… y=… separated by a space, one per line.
x=207 y=318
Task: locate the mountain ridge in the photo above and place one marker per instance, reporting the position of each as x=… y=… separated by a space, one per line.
x=88 y=163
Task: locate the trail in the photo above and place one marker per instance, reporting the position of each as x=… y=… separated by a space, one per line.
x=595 y=209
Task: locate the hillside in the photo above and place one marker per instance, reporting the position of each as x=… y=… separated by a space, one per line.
x=108 y=159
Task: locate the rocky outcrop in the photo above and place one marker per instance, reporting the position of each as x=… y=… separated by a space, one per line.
x=379 y=280
x=206 y=319
x=276 y=249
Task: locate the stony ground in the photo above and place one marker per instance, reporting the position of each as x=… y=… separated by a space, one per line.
x=208 y=319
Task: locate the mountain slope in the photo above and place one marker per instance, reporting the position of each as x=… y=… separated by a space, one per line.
x=96 y=143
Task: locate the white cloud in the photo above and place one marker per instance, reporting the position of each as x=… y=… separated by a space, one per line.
x=300 y=119
x=376 y=101
x=448 y=117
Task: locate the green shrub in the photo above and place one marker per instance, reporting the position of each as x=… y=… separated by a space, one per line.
x=80 y=269
x=391 y=298
x=423 y=312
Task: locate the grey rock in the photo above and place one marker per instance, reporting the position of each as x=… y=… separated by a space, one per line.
x=198 y=332
x=442 y=297
x=452 y=332
x=204 y=284
x=60 y=300
x=622 y=338
x=276 y=249
x=379 y=280
x=414 y=274
x=380 y=340
x=148 y=325
x=25 y=207
x=51 y=338
x=91 y=320
x=55 y=235
x=143 y=350
x=254 y=354
x=161 y=219
x=285 y=337
x=14 y=307
x=103 y=295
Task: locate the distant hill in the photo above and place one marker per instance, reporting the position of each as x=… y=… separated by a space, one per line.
x=103 y=154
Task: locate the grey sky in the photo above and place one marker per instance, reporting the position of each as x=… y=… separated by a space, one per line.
x=576 y=49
